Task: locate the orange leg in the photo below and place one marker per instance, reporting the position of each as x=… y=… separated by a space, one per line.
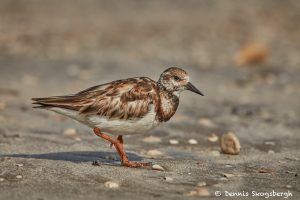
x=118 y=143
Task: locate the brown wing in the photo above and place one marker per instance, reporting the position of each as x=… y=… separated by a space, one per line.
x=123 y=99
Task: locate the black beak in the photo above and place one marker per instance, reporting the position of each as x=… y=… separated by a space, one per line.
x=192 y=88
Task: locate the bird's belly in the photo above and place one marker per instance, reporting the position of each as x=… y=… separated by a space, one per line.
x=115 y=126
x=125 y=127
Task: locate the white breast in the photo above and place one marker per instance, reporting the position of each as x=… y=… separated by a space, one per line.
x=114 y=126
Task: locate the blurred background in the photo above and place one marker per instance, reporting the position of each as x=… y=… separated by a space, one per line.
x=243 y=55
x=87 y=42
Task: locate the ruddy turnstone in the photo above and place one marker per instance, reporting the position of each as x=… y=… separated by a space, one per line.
x=123 y=107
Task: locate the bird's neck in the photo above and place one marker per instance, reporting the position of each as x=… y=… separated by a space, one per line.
x=168 y=103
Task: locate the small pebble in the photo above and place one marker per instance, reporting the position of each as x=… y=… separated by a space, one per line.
x=111 y=184
x=199 y=192
x=203 y=192
x=215 y=153
x=70 y=132
x=201 y=184
x=271 y=143
x=169 y=179
x=288 y=186
x=152 y=139
x=206 y=122
x=158 y=167
x=213 y=138
x=20 y=164
x=228 y=166
x=173 y=141
x=19 y=177
x=271 y=152
x=2 y=179
x=154 y=152
x=192 y=141
x=77 y=139
x=230 y=144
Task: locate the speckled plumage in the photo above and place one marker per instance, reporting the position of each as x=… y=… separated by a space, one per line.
x=122 y=107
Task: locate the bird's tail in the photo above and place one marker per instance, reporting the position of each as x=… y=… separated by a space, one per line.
x=56 y=101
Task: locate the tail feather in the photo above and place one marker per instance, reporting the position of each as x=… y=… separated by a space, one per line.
x=68 y=102
x=55 y=99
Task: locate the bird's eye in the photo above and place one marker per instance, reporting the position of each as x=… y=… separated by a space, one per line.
x=176 y=78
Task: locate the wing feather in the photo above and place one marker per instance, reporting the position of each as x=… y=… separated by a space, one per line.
x=123 y=99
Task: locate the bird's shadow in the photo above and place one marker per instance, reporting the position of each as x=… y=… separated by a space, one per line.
x=108 y=158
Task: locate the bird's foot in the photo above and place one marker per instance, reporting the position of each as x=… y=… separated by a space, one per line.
x=135 y=164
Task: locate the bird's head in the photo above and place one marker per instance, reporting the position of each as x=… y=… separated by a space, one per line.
x=176 y=80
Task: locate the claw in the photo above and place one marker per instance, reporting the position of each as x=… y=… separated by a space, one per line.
x=135 y=164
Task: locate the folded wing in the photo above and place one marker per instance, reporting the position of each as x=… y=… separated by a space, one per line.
x=123 y=99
